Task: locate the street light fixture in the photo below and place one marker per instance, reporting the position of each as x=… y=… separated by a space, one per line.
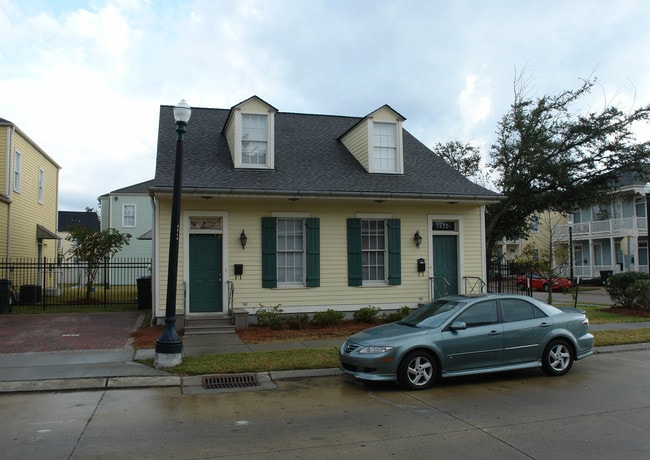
x=169 y=346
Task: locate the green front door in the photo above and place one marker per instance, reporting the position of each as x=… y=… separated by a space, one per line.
x=206 y=291
x=445 y=265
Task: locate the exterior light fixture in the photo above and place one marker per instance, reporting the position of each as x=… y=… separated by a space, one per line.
x=243 y=239
x=417 y=238
x=169 y=346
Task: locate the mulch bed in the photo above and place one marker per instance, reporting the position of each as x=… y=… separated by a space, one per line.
x=145 y=337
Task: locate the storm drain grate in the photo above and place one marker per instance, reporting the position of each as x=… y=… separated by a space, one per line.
x=215 y=382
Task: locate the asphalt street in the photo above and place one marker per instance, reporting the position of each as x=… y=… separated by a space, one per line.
x=600 y=410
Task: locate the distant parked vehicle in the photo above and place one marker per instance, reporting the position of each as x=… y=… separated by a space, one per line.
x=537 y=283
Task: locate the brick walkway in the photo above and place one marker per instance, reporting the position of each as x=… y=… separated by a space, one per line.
x=66 y=332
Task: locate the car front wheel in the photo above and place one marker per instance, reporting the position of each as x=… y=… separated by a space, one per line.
x=546 y=287
x=418 y=370
x=557 y=358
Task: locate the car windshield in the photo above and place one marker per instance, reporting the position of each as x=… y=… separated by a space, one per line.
x=431 y=315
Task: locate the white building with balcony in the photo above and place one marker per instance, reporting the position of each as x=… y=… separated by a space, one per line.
x=612 y=236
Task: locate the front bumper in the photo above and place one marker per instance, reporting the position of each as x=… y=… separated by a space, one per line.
x=376 y=367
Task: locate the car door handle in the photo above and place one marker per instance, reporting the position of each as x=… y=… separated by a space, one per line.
x=544 y=325
x=494 y=333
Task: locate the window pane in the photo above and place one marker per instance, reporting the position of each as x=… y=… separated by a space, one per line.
x=128 y=215
x=373 y=250
x=480 y=314
x=254 y=139
x=384 y=147
x=290 y=251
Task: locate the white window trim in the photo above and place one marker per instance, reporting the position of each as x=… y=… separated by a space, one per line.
x=41 y=185
x=294 y=215
x=17 y=171
x=399 y=147
x=225 y=254
x=459 y=232
x=270 y=141
x=135 y=215
x=384 y=217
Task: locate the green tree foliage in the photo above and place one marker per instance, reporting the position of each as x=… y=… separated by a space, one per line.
x=93 y=247
x=546 y=157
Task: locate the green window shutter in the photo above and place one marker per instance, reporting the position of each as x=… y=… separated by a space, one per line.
x=394 y=252
x=269 y=253
x=354 y=252
x=312 y=230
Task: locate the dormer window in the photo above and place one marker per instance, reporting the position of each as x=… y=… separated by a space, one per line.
x=250 y=132
x=384 y=147
x=254 y=140
x=376 y=142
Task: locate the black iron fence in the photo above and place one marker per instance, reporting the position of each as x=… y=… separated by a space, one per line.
x=504 y=277
x=50 y=283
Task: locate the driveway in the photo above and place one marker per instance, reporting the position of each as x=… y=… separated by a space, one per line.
x=67 y=332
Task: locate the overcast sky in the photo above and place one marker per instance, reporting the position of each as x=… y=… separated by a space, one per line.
x=85 y=79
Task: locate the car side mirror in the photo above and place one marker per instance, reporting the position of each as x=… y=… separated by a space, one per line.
x=458 y=326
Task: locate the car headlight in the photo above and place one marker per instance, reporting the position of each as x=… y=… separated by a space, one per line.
x=375 y=349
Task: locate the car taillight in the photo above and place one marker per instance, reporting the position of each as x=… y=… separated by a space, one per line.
x=585 y=322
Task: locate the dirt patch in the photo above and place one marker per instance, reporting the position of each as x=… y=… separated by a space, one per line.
x=627 y=312
x=145 y=337
x=256 y=334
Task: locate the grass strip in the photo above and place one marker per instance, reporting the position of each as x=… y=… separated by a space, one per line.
x=235 y=363
x=324 y=358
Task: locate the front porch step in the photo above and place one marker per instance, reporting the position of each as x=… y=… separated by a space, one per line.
x=204 y=326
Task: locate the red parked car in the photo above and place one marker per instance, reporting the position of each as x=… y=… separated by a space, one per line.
x=538 y=283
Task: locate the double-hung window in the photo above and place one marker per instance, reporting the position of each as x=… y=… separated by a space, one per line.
x=17 y=166
x=384 y=153
x=290 y=252
x=41 y=186
x=128 y=215
x=374 y=252
x=254 y=141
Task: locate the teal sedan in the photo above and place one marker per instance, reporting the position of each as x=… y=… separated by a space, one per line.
x=463 y=335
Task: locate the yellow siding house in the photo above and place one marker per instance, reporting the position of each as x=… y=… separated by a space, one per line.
x=29 y=184
x=311 y=212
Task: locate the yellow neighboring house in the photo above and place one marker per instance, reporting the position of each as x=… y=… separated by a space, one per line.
x=29 y=185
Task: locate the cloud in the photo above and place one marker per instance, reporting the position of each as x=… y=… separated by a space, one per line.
x=85 y=79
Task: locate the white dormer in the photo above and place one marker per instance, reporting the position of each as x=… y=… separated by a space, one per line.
x=376 y=141
x=250 y=132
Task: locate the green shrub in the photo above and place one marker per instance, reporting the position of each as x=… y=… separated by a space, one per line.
x=618 y=287
x=270 y=317
x=296 y=321
x=640 y=291
x=367 y=314
x=396 y=315
x=327 y=318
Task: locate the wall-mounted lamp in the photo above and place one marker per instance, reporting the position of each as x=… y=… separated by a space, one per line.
x=417 y=238
x=243 y=239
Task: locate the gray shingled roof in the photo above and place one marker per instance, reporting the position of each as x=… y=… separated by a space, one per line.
x=309 y=160
x=139 y=188
x=74 y=219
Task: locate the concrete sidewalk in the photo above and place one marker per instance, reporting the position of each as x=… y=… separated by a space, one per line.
x=93 y=368
x=116 y=368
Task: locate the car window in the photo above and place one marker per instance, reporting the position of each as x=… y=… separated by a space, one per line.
x=519 y=310
x=480 y=314
x=430 y=315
